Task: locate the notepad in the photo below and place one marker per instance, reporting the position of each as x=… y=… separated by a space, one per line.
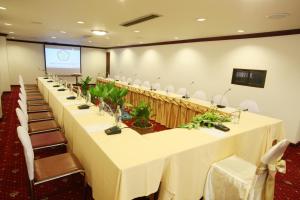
x=214 y=132
x=97 y=127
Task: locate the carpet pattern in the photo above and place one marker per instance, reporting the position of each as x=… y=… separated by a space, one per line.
x=14 y=178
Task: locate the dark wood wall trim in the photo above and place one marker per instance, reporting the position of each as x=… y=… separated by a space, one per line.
x=60 y=44
x=3 y=34
x=217 y=38
x=207 y=39
x=107 y=64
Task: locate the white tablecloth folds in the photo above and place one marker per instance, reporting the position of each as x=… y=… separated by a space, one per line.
x=129 y=165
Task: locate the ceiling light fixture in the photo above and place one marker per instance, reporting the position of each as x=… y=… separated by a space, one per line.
x=136 y=31
x=12 y=37
x=53 y=37
x=63 y=32
x=200 y=19
x=80 y=22
x=89 y=41
x=176 y=38
x=99 y=32
x=240 y=31
x=7 y=24
x=2 y=8
x=11 y=32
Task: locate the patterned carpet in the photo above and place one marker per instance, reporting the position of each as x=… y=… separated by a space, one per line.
x=14 y=178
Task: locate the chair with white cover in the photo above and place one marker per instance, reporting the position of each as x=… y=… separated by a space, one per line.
x=199 y=94
x=156 y=86
x=137 y=82
x=218 y=98
x=35 y=116
x=36 y=127
x=123 y=78
x=249 y=105
x=234 y=178
x=146 y=84
x=129 y=80
x=34 y=106
x=48 y=168
x=182 y=91
x=170 y=88
x=117 y=77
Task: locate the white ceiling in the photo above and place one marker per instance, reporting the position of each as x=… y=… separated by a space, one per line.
x=224 y=17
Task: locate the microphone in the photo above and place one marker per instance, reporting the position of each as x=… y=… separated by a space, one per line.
x=220 y=103
x=151 y=87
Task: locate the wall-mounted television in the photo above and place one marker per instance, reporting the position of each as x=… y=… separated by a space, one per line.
x=249 y=77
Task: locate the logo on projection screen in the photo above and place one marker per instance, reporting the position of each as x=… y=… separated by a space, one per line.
x=63 y=55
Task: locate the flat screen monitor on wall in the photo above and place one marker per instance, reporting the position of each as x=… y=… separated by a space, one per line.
x=62 y=59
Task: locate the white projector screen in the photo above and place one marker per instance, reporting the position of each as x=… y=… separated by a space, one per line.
x=63 y=60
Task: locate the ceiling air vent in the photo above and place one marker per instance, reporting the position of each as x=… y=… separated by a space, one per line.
x=140 y=20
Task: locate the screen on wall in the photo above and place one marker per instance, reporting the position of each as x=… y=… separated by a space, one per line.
x=62 y=59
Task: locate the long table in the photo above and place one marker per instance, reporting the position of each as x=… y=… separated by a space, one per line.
x=129 y=165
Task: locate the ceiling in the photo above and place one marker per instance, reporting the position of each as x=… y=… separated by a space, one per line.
x=40 y=20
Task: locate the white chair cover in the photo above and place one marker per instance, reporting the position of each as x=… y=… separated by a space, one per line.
x=182 y=91
x=170 y=88
x=23 y=108
x=250 y=105
x=156 y=86
x=199 y=94
x=217 y=100
x=235 y=178
x=129 y=80
x=28 y=151
x=22 y=119
x=146 y=84
x=23 y=98
x=123 y=79
x=137 y=82
x=117 y=77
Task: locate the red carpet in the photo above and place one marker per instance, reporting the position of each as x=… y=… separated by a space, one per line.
x=14 y=178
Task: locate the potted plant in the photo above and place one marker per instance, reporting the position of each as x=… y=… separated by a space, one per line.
x=141 y=118
x=208 y=119
x=85 y=85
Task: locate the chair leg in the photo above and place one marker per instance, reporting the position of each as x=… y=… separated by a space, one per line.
x=32 y=193
x=84 y=188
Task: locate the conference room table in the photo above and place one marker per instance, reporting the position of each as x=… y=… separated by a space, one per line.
x=130 y=165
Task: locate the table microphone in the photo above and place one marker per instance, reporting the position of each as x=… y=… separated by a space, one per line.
x=151 y=87
x=186 y=96
x=220 y=103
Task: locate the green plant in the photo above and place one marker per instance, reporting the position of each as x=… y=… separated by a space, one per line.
x=85 y=84
x=208 y=119
x=141 y=115
x=109 y=93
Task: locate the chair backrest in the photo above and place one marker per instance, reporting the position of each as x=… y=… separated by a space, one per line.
x=275 y=152
x=170 y=88
x=137 y=82
x=218 y=98
x=23 y=98
x=117 y=77
x=23 y=108
x=199 y=94
x=21 y=79
x=28 y=151
x=156 y=86
x=146 y=84
x=182 y=91
x=22 y=118
x=123 y=78
x=250 y=105
x=129 y=80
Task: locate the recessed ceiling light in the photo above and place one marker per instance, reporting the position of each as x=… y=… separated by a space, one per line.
x=141 y=42
x=80 y=22
x=12 y=37
x=53 y=37
x=2 y=8
x=99 y=32
x=176 y=38
x=240 y=31
x=200 y=19
x=7 y=24
x=136 y=31
x=11 y=32
x=89 y=41
x=63 y=32
x=278 y=15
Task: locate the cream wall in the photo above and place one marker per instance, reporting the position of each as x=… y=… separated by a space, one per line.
x=210 y=65
x=28 y=59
